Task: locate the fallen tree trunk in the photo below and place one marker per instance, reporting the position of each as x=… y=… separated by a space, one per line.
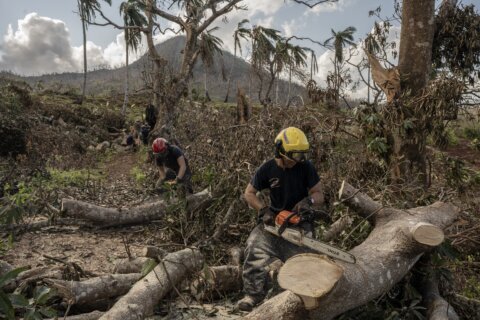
x=153 y=252
x=397 y=241
x=135 y=265
x=94 y=289
x=94 y=315
x=139 y=302
x=34 y=275
x=437 y=307
x=216 y=281
x=110 y=217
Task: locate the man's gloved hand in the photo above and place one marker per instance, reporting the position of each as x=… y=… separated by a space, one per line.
x=267 y=216
x=304 y=205
x=179 y=180
x=159 y=183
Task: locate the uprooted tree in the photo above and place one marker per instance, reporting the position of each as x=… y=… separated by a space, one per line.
x=398 y=240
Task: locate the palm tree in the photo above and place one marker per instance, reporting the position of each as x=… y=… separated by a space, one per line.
x=297 y=58
x=132 y=17
x=86 y=10
x=239 y=33
x=340 y=40
x=209 y=45
x=264 y=46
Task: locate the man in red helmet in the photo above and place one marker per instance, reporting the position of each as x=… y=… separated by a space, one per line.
x=172 y=165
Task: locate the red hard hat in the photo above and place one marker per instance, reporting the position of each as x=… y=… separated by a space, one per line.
x=159 y=145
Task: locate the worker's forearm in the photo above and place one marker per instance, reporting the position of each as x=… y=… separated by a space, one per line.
x=317 y=197
x=161 y=173
x=253 y=201
x=181 y=172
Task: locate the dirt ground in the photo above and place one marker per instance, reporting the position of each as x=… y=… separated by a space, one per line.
x=97 y=250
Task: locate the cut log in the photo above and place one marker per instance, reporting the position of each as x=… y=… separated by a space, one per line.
x=284 y=306
x=140 y=301
x=135 y=265
x=5 y=267
x=110 y=217
x=216 y=281
x=437 y=307
x=34 y=275
x=236 y=256
x=155 y=253
x=94 y=315
x=310 y=276
x=94 y=289
x=383 y=259
x=336 y=228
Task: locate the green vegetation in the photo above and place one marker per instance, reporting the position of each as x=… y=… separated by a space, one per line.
x=138 y=175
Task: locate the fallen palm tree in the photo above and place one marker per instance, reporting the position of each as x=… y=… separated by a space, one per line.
x=397 y=241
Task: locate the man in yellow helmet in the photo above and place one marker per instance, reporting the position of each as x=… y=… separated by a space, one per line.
x=295 y=186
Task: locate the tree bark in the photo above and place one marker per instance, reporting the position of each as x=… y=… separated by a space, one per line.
x=109 y=217
x=284 y=306
x=415 y=64
x=94 y=315
x=216 y=281
x=135 y=265
x=140 y=301
x=94 y=289
x=34 y=275
x=383 y=259
x=437 y=307
x=416 y=40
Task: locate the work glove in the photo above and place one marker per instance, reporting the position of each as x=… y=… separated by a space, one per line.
x=267 y=216
x=159 y=183
x=179 y=180
x=304 y=205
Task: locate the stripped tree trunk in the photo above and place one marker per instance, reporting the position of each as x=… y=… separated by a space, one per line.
x=108 y=217
x=140 y=301
x=397 y=241
x=94 y=289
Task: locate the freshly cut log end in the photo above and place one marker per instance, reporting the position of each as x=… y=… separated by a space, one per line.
x=428 y=234
x=310 y=276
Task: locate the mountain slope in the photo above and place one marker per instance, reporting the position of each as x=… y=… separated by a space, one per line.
x=113 y=80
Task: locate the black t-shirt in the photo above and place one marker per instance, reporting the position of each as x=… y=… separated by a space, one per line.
x=170 y=161
x=287 y=186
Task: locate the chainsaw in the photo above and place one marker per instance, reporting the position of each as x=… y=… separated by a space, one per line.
x=281 y=229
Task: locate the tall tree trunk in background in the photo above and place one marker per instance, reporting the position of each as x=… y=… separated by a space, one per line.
x=231 y=74
x=125 y=99
x=289 y=86
x=415 y=63
x=416 y=40
x=84 y=32
x=207 y=96
x=157 y=61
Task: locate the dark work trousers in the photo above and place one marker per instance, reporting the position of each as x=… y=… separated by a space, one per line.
x=262 y=249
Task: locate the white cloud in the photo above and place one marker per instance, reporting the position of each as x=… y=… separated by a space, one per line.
x=42 y=45
x=267 y=7
x=39 y=45
x=290 y=28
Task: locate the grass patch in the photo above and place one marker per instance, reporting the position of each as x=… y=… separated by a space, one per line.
x=138 y=175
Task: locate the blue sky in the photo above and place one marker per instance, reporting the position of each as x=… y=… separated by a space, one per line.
x=45 y=36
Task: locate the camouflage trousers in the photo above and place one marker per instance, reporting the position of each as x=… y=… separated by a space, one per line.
x=262 y=249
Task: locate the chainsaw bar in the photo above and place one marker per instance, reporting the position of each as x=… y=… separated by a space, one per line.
x=298 y=238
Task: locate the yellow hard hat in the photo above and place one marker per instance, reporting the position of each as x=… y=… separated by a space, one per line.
x=292 y=143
